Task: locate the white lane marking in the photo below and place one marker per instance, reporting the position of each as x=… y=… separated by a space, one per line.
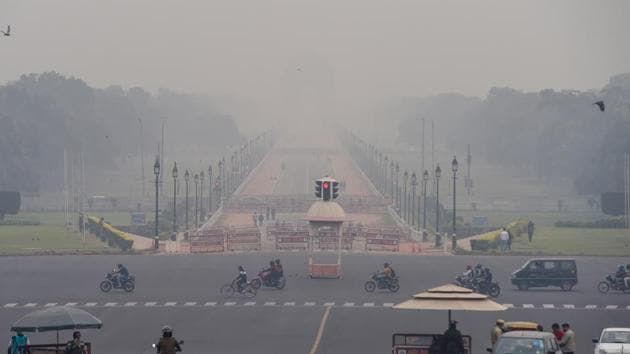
x=349 y=304
x=11 y=304
x=368 y=304
x=289 y=303
x=71 y=304
x=150 y=303
x=270 y=303
x=210 y=304
x=549 y=306
x=190 y=303
x=309 y=304
x=170 y=303
x=590 y=307
x=111 y=304
x=528 y=306
x=320 y=331
x=229 y=304
x=611 y=307
x=510 y=306
x=90 y=304
x=50 y=304
x=31 y=304
x=130 y=304
x=329 y=304
x=250 y=303
x=628 y=307
x=568 y=306
x=388 y=304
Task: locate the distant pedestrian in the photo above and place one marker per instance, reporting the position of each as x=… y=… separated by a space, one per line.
x=555 y=329
x=261 y=219
x=530 y=230
x=503 y=239
x=75 y=346
x=18 y=343
x=497 y=331
x=510 y=239
x=567 y=343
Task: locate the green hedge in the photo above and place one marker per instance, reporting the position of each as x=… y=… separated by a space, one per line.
x=109 y=234
x=610 y=223
x=490 y=240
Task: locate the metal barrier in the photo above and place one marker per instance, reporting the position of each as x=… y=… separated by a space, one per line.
x=243 y=239
x=383 y=239
x=208 y=240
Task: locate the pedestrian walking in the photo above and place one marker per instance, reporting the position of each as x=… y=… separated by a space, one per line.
x=496 y=332
x=261 y=219
x=510 y=239
x=567 y=343
x=530 y=230
x=503 y=239
x=18 y=343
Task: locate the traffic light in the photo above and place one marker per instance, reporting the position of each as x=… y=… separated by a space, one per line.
x=335 y=190
x=318 y=189
x=326 y=194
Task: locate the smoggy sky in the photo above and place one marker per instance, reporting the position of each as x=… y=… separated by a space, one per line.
x=374 y=48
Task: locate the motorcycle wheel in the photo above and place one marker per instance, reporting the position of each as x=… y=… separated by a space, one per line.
x=227 y=291
x=106 y=286
x=129 y=286
x=370 y=286
x=256 y=283
x=249 y=292
x=603 y=287
x=494 y=290
x=281 y=283
x=394 y=287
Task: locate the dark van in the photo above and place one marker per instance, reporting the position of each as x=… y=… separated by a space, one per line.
x=544 y=272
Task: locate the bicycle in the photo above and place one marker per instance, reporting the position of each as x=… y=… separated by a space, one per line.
x=228 y=290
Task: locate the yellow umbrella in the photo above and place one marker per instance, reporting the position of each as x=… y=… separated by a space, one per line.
x=450 y=297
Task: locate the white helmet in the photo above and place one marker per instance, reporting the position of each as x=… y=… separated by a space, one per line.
x=167 y=329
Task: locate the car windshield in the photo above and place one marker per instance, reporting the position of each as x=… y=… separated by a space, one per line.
x=519 y=346
x=616 y=337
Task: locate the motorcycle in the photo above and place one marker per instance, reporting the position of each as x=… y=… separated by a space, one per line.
x=265 y=279
x=110 y=283
x=380 y=282
x=492 y=289
x=613 y=283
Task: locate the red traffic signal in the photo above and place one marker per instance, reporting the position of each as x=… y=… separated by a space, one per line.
x=326 y=185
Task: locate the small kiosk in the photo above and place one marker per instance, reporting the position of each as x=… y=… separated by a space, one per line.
x=324 y=219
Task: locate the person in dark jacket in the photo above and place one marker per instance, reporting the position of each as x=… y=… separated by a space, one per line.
x=167 y=344
x=453 y=342
x=530 y=230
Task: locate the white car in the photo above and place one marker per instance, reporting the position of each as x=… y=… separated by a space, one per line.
x=613 y=341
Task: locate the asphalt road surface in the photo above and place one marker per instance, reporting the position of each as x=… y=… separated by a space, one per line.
x=183 y=291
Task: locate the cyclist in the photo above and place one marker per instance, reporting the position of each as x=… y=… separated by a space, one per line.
x=241 y=279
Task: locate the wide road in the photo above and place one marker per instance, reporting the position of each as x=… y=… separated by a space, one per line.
x=183 y=291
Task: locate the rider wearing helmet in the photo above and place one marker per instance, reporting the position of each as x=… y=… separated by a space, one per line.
x=279 y=269
x=468 y=273
x=269 y=273
x=168 y=344
x=621 y=273
x=241 y=279
x=121 y=274
x=478 y=272
x=386 y=274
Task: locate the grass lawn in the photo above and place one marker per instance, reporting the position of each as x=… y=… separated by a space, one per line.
x=571 y=241
x=500 y=218
x=51 y=234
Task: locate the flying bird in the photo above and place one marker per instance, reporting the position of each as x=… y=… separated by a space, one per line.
x=601 y=105
x=8 y=32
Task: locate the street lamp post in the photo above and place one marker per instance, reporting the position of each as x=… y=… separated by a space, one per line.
x=156 y=171
x=398 y=187
x=405 y=205
x=220 y=181
x=414 y=183
x=384 y=182
x=425 y=178
x=210 y=189
x=175 y=197
x=196 y=179
x=391 y=168
x=201 y=211
x=454 y=167
x=438 y=174
x=187 y=179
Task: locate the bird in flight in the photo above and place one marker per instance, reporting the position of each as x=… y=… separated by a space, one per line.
x=601 y=105
x=8 y=32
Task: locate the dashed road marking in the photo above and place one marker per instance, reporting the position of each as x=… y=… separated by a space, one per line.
x=528 y=306
x=50 y=304
x=210 y=304
x=71 y=304
x=568 y=306
x=190 y=303
x=111 y=304
x=368 y=304
x=229 y=304
x=590 y=307
x=348 y=304
x=290 y=303
x=329 y=304
x=170 y=303
x=388 y=304
x=31 y=304
x=510 y=306
x=150 y=303
x=130 y=304
x=611 y=307
x=309 y=304
x=270 y=303
x=11 y=304
x=90 y=304
x=548 y=306
x=250 y=303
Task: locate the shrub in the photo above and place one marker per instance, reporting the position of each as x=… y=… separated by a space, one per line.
x=107 y=232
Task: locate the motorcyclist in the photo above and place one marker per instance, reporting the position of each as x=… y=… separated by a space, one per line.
x=626 y=280
x=167 y=344
x=241 y=279
x=478 y=271
x=279 y=273
x=620 y=274
x=386 y=274
x=121 y=274
x=487 y=275
x=268 y=273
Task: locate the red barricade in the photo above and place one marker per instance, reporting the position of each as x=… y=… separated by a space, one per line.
x=243 y=239
x=207 y=241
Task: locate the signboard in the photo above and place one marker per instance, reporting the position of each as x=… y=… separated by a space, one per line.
x=138 y=218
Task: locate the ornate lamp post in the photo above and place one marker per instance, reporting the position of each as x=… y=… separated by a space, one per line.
x=405 y=205
x=202 y=215
x=438 y=174
x=210 y=189
x=196 y=179
x=454 y=167
x=391 y=169
x=398 y=187
x=425 y=179
x=187 y=179
x=156 y=171
x=384 y=174
x=175 y=197
x=414 y=183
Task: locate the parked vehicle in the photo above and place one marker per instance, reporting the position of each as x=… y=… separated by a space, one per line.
x=265 y=279
x=613 y=340
x=612 y=283
x=109 y=283
x=526 y=342
x=545 y=272
x=377 y=282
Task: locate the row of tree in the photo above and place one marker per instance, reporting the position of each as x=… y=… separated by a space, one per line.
x=43 y=114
